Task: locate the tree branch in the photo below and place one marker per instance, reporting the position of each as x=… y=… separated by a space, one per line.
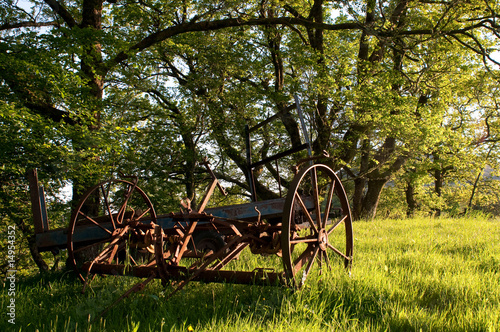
x=221 y=24
x=62 y=12
x=27 y=24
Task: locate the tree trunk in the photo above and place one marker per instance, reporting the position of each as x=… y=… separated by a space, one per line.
x=410 y=199
x=360 y=181
x=190 y=168
x=438 y=184
x=35 y=254
x=90 y=65
x=372 y=198
x=357 y=201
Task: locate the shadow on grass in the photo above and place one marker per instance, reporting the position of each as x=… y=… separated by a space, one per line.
x=54 y=302
x=332 y=302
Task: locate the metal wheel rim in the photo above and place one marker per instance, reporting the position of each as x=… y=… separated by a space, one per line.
x=82 y=275
x=318 y=245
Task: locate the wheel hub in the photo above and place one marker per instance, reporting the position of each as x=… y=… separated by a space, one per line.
x=323 y=239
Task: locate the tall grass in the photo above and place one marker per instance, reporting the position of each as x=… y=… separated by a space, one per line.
x=408 y=275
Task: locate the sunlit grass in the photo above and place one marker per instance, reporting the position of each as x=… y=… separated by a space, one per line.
x=408 y=275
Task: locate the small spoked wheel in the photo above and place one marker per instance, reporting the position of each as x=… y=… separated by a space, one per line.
x=112 y=224
x=316 y=225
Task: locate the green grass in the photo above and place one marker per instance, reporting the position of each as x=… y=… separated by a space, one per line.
x=408 y=275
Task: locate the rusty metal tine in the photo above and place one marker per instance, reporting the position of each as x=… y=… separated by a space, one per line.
x=194 y=275
x=220 y=251
x=113 y=253
x=215 y=256
x=207 y=196
x=123 y=208
x=212 y=175
x=229 y=257
x=143 y=214
x=111 y=245
x=132 y=259
x=185 y=242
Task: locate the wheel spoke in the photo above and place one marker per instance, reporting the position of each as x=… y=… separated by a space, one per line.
x=338 y=252
x=327 y=260
x=307 y=239
x=108 y=207
x=314 y=182
x=305 y=273
x=336 y=224
x=328 y=202
x=94 y=222
x=306 y=212
x=320 y=261
x=303 y=258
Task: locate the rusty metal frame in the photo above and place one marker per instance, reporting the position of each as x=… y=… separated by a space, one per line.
x=266 y=227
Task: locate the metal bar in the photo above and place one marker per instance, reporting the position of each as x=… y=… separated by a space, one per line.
x=36 y=206
x=250 y=178
x=279 y=177
x=57 y=238
x=45 y=218
x=187 y=237
x=263 y=123
x=207 y=196
x=212 y=175
x=259 y=276
x=280 y=155
x=303 y=125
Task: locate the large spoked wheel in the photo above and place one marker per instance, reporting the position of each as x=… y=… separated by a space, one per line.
x=112 y=224
x=317 y=224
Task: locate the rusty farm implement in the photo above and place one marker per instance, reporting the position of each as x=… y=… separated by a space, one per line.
x=114 y=230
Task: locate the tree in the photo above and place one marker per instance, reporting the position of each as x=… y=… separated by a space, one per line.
x=376 y=79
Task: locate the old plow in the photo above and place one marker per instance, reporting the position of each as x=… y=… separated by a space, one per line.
x=114 y=230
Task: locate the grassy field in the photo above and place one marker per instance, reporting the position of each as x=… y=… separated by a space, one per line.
x=408 y=275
